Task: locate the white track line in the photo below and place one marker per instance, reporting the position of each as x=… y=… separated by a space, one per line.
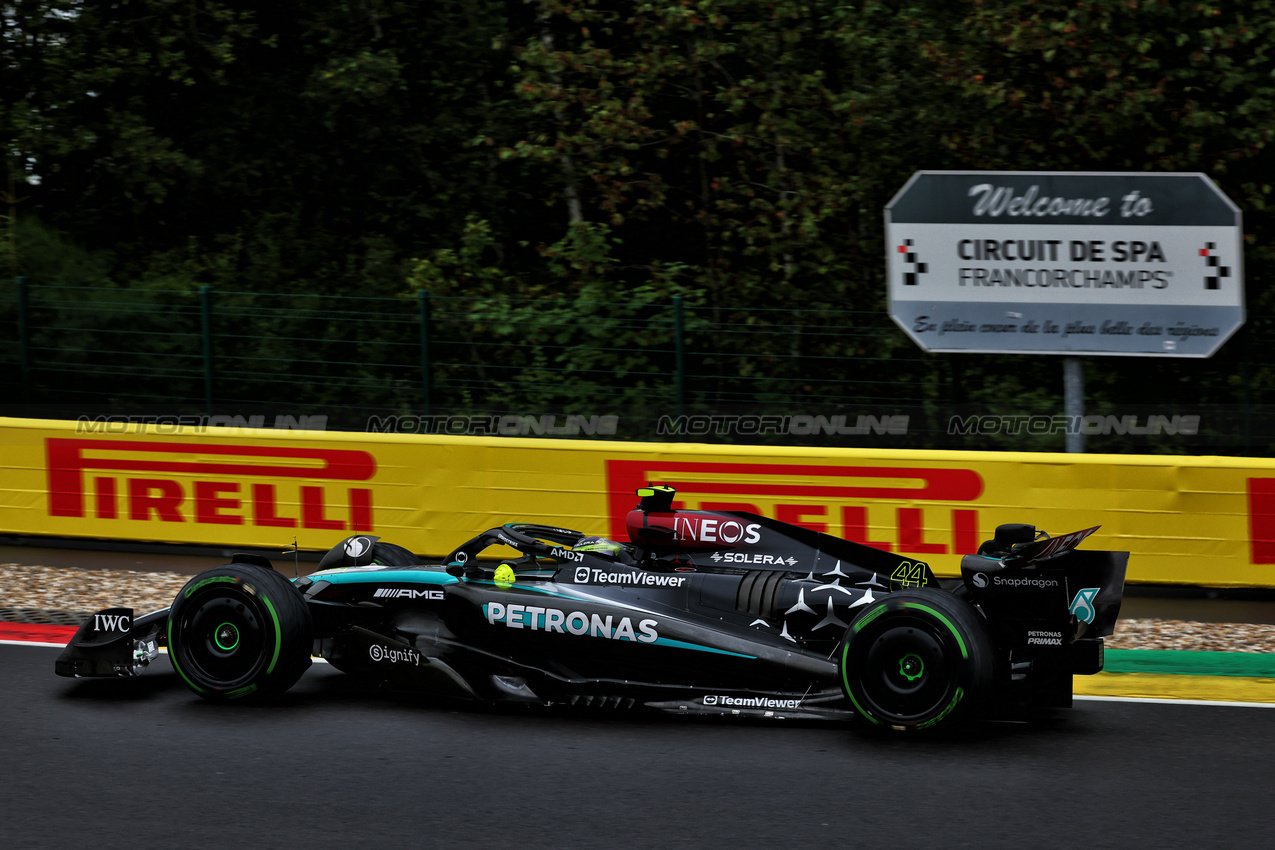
x=1167 y=701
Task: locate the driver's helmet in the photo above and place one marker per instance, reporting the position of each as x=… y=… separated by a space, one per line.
x=598 y=545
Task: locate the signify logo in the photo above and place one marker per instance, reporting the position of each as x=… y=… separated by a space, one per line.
x=393 y=655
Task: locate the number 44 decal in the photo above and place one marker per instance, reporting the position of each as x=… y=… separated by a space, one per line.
x=909 y=574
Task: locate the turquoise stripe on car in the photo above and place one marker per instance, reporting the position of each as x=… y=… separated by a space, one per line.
x=383 y=576
x=681 y=644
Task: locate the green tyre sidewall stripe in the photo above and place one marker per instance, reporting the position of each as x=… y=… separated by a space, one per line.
x=965 y=653
x=278 y=633
x=845 y=683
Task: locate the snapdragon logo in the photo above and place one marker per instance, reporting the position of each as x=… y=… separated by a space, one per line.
x=1001 y=581
x=539 y=619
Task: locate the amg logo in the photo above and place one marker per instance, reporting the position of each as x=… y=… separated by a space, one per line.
x=637 y=578
x=406 y=593
x=112 y=622
x=566 y=554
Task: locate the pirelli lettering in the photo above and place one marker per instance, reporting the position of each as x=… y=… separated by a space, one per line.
x=179 y=481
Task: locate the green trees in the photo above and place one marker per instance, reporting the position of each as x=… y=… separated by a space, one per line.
x=736 y=153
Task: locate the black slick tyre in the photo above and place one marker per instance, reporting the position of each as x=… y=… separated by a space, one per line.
x=916 y=661
x=239 y=631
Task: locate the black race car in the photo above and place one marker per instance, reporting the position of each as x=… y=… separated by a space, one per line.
x=701 y=612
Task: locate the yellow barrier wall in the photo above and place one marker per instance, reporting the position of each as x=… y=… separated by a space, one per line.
x=1198 y=520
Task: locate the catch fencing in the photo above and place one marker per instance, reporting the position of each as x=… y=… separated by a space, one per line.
x=815 y=374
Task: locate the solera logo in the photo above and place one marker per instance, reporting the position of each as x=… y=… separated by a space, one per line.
x=731 y=486
x=234 y=483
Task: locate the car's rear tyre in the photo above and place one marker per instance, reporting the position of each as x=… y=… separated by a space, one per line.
x=239 y=631
x=917 y=660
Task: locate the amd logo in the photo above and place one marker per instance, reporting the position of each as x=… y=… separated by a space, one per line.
x=566 y=555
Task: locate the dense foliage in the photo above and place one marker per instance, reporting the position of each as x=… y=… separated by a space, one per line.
x=534 y=164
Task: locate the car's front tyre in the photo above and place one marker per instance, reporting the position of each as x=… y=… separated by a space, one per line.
x=239 y=631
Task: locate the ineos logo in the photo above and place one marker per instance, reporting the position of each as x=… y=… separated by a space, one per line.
x=980 y=579
x=356 y=546
x=582 y=574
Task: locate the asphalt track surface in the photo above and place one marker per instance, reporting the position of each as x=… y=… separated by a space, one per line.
x=145 y=763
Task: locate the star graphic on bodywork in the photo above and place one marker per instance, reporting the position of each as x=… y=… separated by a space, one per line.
x=754 y=623
x=873 y=583
x=863 y=600
x=801 y=604
x=836 y=571
x=784 y=633
x=831 y=618
x=835 y=585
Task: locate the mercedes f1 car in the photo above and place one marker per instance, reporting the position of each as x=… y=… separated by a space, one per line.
x=700 y=612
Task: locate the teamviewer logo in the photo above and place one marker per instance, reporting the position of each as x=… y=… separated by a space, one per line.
x=582 y=575
x=1216 y=271
x=913 y=270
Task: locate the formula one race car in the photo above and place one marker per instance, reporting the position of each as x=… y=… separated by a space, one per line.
x=703 y=612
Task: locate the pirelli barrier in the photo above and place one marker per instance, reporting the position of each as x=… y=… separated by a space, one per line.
x=1190 y=520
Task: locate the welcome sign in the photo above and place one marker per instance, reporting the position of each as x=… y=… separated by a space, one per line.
x=1066 y=263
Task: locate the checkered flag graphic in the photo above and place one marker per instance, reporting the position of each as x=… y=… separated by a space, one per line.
x=1216 y=271
x=911 y=276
